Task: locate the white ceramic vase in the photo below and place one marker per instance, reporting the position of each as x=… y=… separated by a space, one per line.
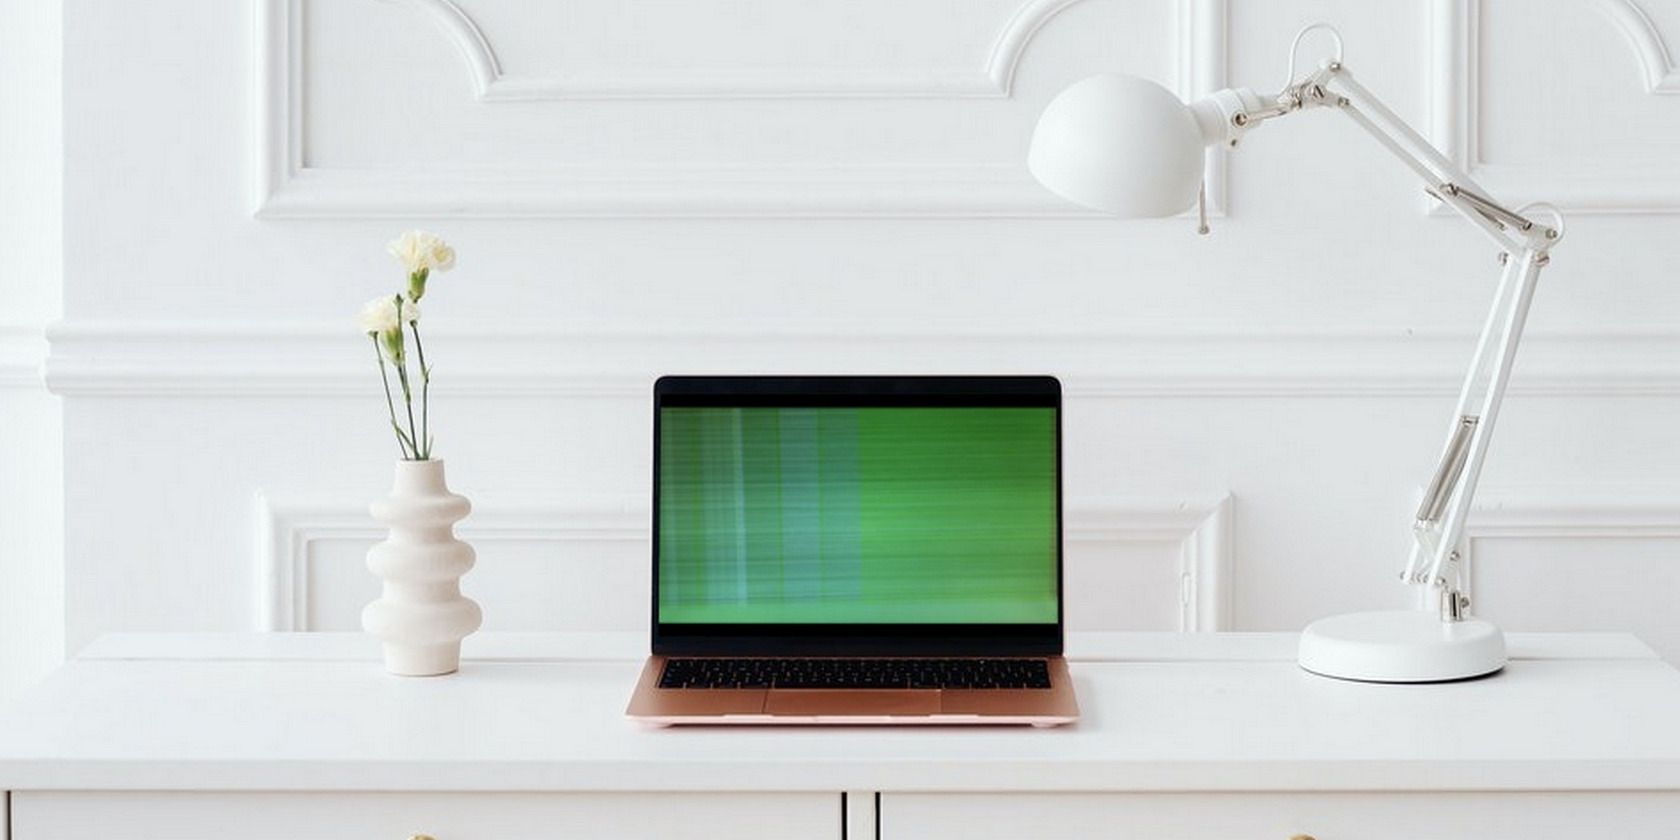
x=421 y=615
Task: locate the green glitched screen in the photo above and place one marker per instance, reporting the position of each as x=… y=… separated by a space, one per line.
x=857 y=516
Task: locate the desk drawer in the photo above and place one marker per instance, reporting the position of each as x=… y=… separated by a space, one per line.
x=1280 y=816
x=445 y=816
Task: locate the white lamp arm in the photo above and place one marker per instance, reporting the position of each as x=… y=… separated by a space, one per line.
x=1524 y=245
x=1226 y=115
x=1443 y=179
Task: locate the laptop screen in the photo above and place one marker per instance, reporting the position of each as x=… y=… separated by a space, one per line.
x=877 y=510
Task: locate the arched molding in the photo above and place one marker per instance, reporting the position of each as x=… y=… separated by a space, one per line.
x=993 y=80
x=1655 y=61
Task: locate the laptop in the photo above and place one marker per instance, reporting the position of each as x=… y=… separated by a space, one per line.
x=856 y=550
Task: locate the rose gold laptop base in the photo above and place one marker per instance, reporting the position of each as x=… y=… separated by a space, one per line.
x=657 y=706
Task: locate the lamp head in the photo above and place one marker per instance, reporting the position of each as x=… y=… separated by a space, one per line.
x=1128 y=146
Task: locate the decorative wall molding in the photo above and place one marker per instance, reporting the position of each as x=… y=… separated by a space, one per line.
x=1453 y=30
x=993 y=80
x=1629 y=512
x=196 y=359
x=491 y=83
x=1655 y=61
x=285 y=188
x=1591 y=187
x=1616 y=513
x=23 y=349
x=1202 y=530
x=1203 y=46
x=286 y=527
x=659 y=192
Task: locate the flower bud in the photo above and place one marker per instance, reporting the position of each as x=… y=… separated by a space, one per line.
x=417 y=284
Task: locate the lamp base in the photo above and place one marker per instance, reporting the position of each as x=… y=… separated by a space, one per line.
x=1401 y=646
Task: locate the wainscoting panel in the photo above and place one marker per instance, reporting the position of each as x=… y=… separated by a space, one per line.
x=1140 y=566
x=1131 y=565
x=1610 y=562
x=543 y=567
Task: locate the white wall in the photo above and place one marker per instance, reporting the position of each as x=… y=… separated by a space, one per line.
x=640 y=188
x=31 y=575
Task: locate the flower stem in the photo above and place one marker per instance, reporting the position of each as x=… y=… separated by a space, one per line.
x=408 y=403
x=425 y=439
x=390 y=405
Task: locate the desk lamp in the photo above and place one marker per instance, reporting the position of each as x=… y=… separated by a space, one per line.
x=1129 y=147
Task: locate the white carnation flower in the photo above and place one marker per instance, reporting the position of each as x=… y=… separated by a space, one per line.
x=419 y=250
x=380 y=315
x=443 y=256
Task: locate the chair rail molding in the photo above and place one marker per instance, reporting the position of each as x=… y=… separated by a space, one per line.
x=1626 y=512
x=287 y=525
x=188 y=359
x=284 y=187
x=1454 y=102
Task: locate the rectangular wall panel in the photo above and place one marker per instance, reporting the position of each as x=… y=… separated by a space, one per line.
x=1129 y=566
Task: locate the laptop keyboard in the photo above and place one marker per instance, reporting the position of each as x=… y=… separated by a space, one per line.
x=831 y=672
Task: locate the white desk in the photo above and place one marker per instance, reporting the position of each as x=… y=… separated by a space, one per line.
x=167 y=737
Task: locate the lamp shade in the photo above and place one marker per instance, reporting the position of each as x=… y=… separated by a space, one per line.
x=1119 y=144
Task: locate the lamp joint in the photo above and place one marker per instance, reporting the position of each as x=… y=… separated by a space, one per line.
x=1455 y=606
x=1541 y=258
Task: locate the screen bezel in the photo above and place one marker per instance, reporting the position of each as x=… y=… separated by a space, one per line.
x=857 y=639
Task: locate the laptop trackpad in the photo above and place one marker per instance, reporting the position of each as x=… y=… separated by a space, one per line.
x=851 y=701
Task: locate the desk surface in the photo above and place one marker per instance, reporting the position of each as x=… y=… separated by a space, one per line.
x=539 y=712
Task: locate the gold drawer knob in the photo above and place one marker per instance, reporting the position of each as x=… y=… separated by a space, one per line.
x=1296 y=837
x=429 y=837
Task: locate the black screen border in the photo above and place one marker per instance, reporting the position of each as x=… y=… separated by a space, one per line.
x=857 y=639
